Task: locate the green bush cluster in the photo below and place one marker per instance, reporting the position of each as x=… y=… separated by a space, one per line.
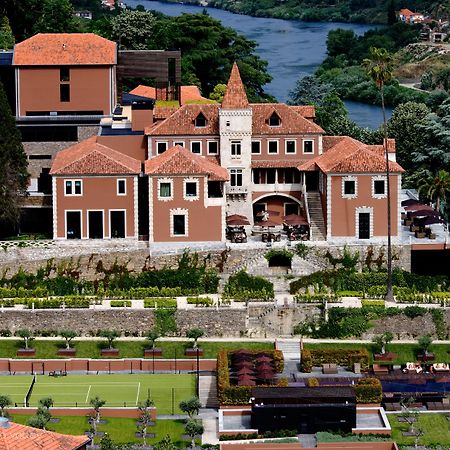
x=242 y=287
x=280 y=252
x=349 y=293
x=368 y=390
x=120 y=303
x=200 y=301
x=369 y=303
x=160 y=303
x=342 y=357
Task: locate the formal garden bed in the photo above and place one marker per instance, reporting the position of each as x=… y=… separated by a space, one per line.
x=47 y=349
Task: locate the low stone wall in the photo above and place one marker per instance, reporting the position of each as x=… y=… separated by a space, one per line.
x=128 y=413
x=229 y=322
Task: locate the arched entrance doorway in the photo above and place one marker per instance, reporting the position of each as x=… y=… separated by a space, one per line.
x=279 y=205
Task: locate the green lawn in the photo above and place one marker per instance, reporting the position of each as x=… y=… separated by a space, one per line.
x=121 y=430
x=436 y=430
x=405 y=352
x=128 y=349
x=166 y=390
x=16 y=387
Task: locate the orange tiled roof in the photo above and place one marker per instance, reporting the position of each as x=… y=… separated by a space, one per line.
x=235 y=96
x=48 y=49
x=88 y=157
x=163 y=112
x=351 y=156
x=279 y=163
x=307 y=111
x=291 y=121
x=22 y=437
x=188 y=93
x=181 y=122
x=180 y=161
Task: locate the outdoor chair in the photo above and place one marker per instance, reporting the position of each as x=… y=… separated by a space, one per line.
x=329 y=369
x=379 y=369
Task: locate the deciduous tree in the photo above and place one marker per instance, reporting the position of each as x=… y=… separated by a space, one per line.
x=6 y=35
x=56 y=17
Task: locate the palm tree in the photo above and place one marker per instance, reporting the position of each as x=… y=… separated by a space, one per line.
x=436 y=187
x=379 y=67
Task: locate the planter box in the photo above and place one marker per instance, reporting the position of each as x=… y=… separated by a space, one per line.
x=67 y=352
x=427 y=357
x=26 y=352
x=110 y=352
x=153 y=352
x=193 y=352
x=388 y=356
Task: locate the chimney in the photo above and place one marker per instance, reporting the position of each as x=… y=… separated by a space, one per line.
x=141 y=114
x=390 y=146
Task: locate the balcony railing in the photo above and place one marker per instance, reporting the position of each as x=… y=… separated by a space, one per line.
x=237 y=190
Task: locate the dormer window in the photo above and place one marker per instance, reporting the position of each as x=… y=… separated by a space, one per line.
x=200 y=120
x=274 y=120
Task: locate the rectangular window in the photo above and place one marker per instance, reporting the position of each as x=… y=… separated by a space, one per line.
x=64 y=74
x=290 y=147
x=64 y=92
x=161 y=147
x=213 y=147
x=257 y=176
x=191 y=189
x=378 y=187
x=196 y=147
x=121 y=187
x=235 y=149
x=179 y=224
x=236 y=177
x=165 y=190
x=271 y=176
x=256 y=147
x=273 y=147
x=73 y=187
x=180 y=143
x=349 y=187
x=308 y=146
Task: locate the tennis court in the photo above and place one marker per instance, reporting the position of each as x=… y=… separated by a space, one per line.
x=16 y=387
x=166 y=390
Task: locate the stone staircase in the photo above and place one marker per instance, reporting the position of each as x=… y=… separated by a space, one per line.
x=318 y=231
x=208 y=391
x=290 y=348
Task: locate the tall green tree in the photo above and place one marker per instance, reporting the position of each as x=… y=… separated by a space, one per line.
x=133 y=30
x=56 y=17
x=6 y=35
x=379 y=67
x=13 y=163
x=404 y=127
x=436 y=188
x=309 y=90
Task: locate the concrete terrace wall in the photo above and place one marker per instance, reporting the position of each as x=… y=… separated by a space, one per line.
x=229 y=322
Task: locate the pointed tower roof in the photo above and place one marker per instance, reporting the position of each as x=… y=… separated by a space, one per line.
x=235 y=96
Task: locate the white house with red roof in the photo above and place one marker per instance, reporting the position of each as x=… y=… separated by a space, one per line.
x=186 y=169
x=408 y=16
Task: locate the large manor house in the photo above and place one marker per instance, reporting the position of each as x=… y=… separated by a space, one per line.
x=172 y=174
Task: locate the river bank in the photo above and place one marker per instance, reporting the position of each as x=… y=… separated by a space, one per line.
x=300 y=12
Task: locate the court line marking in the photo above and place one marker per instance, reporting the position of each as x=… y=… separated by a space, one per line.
x=85 y=384
x=88 y=392
x=138 y=392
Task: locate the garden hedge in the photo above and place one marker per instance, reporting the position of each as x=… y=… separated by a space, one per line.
x=240 y=395
x=368 y=390
x=341 y=357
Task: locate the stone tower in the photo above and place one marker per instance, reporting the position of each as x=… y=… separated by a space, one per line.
x=235 y=128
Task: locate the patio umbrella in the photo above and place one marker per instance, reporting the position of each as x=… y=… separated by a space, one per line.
x=236 y=216
x=266 y=376
x=264 y=366
x=244 y=371
x=243 y=363
x=237 y=222
x=295 y=219
x=246 y=381
x=418 y=206
x=264 y=358
x=410 y=201
x=242 y=351
x=423 y=213
x=430 y=220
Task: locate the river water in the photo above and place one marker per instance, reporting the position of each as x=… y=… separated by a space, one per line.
x=293 y=49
